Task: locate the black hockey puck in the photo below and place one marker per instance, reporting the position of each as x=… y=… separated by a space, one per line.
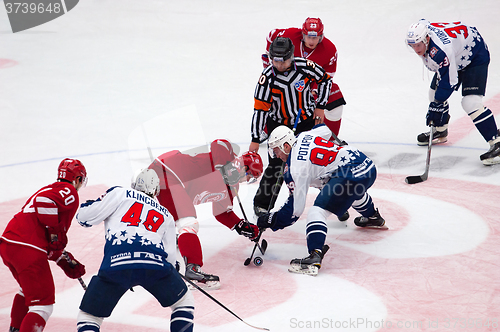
x=258 y=261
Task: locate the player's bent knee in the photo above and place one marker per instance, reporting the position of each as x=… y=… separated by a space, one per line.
x=43 y=311
x=316 y=213
x=186 y=301
x=473 y=105
x=187 y=225
x=87 y=322
x=334 y=114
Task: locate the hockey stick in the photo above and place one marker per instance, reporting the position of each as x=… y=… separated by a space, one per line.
x=275 y=192
x=70 y=262
x=216 y=301
x=263 y=246
x=421 y=178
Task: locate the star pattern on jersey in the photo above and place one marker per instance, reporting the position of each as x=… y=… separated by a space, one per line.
x=464 y=57
x=123 y=237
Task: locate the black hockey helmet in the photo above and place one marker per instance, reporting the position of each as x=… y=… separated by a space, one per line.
x=281 y=49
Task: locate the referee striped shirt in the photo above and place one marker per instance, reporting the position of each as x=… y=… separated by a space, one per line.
x=281 y=96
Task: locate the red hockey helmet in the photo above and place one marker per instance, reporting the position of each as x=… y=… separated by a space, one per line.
x=313 y=27
x=70 y=169
x=222 y=152
x=253 y=164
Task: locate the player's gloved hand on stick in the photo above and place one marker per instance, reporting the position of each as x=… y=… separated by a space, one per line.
x=438 y=113
x=265 y=221
x=247 y=229
x=57 y=238
x=72 y=268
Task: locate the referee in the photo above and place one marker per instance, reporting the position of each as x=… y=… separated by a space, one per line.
x=283 y=96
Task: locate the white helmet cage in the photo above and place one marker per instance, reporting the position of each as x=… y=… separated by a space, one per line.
x=418 y=32
x=148 y=182
x=279 y=136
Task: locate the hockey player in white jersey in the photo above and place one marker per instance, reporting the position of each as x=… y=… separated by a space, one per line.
x=341 y=172
x=140 y=250
x=459 y=56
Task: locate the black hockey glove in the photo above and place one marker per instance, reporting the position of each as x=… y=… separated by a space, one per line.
x=230 y=174
x=265 y=221
x=247 y=229
x=438 y=113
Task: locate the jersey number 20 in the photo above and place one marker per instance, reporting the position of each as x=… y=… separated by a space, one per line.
x=153 y=221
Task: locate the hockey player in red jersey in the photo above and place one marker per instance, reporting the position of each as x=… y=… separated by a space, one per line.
x=310 y=43
x=37 y=234
x=213 y=177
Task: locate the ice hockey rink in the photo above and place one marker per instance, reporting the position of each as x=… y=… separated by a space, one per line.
x=109 y=79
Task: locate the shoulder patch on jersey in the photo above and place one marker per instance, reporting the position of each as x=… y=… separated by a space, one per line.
x=433 y=52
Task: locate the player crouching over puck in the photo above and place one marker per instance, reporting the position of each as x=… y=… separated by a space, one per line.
x=341 y=172
x=140 y=250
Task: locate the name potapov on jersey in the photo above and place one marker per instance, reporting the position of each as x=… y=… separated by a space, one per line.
x=304 y=148
x=146 y=200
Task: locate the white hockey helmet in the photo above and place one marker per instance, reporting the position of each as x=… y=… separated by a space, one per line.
x=418 y=32
x=279 y=136
x=148 y=182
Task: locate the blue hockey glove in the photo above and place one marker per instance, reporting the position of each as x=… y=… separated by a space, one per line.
x=438 y=113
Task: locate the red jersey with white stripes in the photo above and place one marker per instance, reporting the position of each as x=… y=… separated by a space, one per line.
x=325 y=54
x=52 y=206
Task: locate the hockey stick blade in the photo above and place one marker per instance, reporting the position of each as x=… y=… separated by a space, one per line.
x=257 y=240
x=421 y=178
x=216 y=301
x=415 y=179
x=263 y=246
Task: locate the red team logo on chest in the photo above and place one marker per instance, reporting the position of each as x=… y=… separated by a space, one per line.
x=300 y=85
x=207 y=197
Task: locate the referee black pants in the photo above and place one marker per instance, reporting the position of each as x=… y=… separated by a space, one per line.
x=272 y=178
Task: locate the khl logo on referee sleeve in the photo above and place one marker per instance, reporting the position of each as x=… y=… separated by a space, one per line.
x=26 y=14
x=299 y=85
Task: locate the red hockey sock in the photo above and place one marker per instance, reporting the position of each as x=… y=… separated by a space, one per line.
x=32 y=323
x=334 y=126
x=190 y=248
x=18 y=311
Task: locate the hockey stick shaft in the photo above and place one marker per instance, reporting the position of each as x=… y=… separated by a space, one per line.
x=216 y=301
x=246 y=219
x=65 y=254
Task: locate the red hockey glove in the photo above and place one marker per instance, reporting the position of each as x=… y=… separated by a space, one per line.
x=71 y=267
x=247 y=229
x=57 y=239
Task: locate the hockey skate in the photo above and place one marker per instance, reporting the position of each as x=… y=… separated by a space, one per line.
x=438 y=137
x=344 y=217
x=309 y=265
x=376 y=221
x=201 y=279
x=491 y=157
